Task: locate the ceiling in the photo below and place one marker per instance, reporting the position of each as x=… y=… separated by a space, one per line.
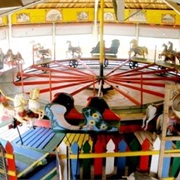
x=9 y=6
x=129 y=4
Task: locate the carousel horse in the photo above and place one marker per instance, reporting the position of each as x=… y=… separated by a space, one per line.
x=13 y=59
x=40 y=52
x=33 y=103
x=17 y=110
x=140 y=50
x=170 y=47
x=168 y=53
x=177 y=55
x=20 y=102
x=5 y=108
x=152 y=113
x=73 y=50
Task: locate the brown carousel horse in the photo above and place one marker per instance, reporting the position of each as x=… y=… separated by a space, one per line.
x=74 y=51
x=169 y=54
x=40 y=52
x=13 y=59
x=140 y=50
x=177 y=55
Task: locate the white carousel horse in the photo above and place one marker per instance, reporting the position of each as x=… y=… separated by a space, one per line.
x=34 y=104
x=5 y=108
x=73 y=50
x=152 y=113
x=140 y=50
x=17 y=110
x=20 y=106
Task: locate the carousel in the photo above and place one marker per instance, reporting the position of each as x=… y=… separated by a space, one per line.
x=83 y=122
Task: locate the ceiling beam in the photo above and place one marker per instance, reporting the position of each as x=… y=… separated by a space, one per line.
x=10 y=3
x=173 y=5
x=19 y=8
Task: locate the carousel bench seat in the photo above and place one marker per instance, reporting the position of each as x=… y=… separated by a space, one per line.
x=101 y=105
x=112 y=51
x=74 y=117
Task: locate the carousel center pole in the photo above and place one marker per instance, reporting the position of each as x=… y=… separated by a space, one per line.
x=101 y=78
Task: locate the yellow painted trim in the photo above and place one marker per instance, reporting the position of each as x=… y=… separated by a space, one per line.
x=32 y=165
x=117 y=154
x=9 y=156
x=37 y=16
x=12 y=173
x=52 y=171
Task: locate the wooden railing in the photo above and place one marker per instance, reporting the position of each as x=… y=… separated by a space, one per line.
x=114 y=157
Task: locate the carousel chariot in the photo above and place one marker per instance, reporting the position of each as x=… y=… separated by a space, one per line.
x=64 y=116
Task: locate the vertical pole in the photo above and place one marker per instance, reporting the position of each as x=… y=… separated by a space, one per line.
x=95 y=27
x=50 y=85
x=54 y=41
x=10 y=31
x=101 y=39
x=137 y=32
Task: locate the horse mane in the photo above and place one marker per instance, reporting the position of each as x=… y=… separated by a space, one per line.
x=18 y=99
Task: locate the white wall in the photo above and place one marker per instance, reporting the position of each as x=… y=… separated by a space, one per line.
x=81 y=35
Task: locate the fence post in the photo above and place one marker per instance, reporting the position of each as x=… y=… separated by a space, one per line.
x=121 y=161
x=86 y=163
x=75 y=164
x=98 y=162
x=144 y=160
x=176 y=162
x=63 y=162
x=11 y=161
x=155 y=158
x=166 y=161
x=109 y=167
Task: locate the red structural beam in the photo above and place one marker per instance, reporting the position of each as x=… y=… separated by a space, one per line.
x=62 y=86
x=139 y=89
x=144 y=83
x=55 y=76
x=175 y=79
x=150 y=72
x=116 y=68
x=132 y=99
x=26 y=83
x=73 y=70
x=132 y=70
x=87 y=67
x=84 y=87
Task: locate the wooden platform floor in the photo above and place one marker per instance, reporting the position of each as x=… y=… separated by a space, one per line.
x=115 y=100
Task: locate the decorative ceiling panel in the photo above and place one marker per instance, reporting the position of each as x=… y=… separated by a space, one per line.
x=129 y=4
